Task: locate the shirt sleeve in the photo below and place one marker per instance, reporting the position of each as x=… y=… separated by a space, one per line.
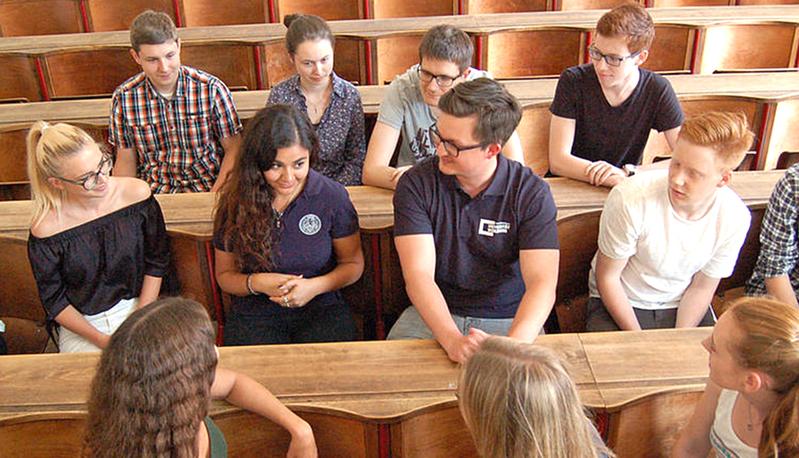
x=46 y=264
x=564 y=104
x=618 y=233
x=722 y=263
x=345 y=218
x=538 y=228
x=391 y=108
x=778 y=237
x=355 y=145
x=410 y=215
x=225 y=118
x=118 y=131
x=669 y=113
x=156 y=241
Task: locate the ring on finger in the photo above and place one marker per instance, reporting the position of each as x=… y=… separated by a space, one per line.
x=286 y=301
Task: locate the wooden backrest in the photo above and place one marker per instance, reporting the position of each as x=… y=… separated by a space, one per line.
x=331 y=11
x=105 y=15
x=749 y=46
x=12 y=153
x=199 y=13
x=438 y=432
x=411 y=8
x=18 y=79
x=394 y=55
x=571 y=5
x=787 y=159
x=24 y=336
x=188 y=256
x=673 y=3
x=19 y=296
x=747 y=257
x=74 y=74
x=53 y=435
x=233 y=63
x=673 y=49
x=578 y=243
x=540 y=52
x=650 y=426
x=533 y=132
x=39 y=17
x=507 y=6
x=349 y=61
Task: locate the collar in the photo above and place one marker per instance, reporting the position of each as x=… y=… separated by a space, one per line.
x=499 y=181
x=153 y=93
x=339 y=85
x=313 y=184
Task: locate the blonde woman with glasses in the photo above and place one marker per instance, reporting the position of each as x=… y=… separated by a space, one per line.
x=518 y=401
x=97 y=244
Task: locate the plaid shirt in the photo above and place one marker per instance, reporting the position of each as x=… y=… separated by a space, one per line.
x=177 y=141
x=779 y=246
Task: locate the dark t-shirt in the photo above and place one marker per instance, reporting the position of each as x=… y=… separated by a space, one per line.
x=321 y=213
x=616 y=135
x=478 y=240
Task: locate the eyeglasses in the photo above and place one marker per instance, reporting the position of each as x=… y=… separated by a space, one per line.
x=450 y=148
x=90 y=181
x=613 y=61
x=443 y=81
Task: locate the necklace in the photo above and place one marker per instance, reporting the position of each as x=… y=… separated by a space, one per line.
x=749 y=426
x=278 y=215
x=316 y=106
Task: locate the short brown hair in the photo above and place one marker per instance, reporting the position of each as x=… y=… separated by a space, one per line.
x=726 y=133
x=498 y=112
x=630 y=21
x=447 y=43
x=152 y=28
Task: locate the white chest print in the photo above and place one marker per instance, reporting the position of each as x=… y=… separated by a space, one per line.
x=489 y=227
x=310 y=224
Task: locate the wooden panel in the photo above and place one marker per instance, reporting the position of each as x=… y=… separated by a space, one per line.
x=394 y=296
x=43 y=435
x=75 y=73
x=192 y=270
x=249 y=435
x=349 y=61
x=39 y=17
x=571 y=5
x=533 y=132
x=232 y=63
x=507 y=6
x=747 y=257
x=18 y=294
x=394 y=55
x=578 y=244
x=412 y=8
x=438 y=433
x=650 y=427
x=748 y=46
x=340 y=9
x=105 y=15
x=509 y=53
x=18 y=78
x=782 y=136
x=672 y=50
x=13 y=153
x=198 y=13
x=24 y=336
x=675 y=3
x=768 y=2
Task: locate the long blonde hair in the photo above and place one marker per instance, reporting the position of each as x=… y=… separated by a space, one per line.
x=47 y=146
x=770 y=344
x=518 y=401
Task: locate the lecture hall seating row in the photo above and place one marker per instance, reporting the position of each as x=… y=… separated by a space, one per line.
x=43 y=17
x=521 y=45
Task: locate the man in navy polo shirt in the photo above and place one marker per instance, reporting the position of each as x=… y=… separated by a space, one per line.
x=475 y=232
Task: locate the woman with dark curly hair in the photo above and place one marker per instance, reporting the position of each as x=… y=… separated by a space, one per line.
x=153 y=386
x=286 y=237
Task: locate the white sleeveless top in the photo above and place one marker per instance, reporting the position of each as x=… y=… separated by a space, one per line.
x=722 y=437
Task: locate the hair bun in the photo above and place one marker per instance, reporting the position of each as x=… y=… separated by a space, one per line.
x=290 y=18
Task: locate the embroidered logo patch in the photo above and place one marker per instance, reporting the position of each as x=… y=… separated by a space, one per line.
x=489 y=227
x=310 y=224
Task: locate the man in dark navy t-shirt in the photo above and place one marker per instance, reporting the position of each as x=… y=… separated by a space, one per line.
x=475 y=232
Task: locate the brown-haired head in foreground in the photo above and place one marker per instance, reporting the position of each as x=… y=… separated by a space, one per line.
x=769 y=343
x=152 y=386
x=631 y=22
x=726 y=133
x=449 y=44
x=518 y=401
x=152 y=28
x=497 y=110
x=305 y=27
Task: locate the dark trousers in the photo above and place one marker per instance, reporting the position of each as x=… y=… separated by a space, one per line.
x=598 y=318
x=325 y=323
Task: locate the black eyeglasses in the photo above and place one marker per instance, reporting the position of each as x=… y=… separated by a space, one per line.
x=90 y=180
x=450 y=148
x=613 y=61
x=443 y=81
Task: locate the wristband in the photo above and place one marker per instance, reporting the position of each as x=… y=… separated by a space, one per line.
x=249 y=285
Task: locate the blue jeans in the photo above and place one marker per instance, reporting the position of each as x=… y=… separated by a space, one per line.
x=410 y=325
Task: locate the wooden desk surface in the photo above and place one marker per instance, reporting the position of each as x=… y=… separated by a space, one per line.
x=382 y=381
x=665 y=360
x=375 y=28
x=191 y=213
x=764 y=87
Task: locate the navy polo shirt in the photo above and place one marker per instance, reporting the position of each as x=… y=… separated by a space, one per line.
x=321 y=213
x=478 y=239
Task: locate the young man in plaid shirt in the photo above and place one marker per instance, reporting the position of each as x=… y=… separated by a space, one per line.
x=173 y=126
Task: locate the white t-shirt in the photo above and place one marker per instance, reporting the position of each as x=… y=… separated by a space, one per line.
x=664 y=250
x=404 y=108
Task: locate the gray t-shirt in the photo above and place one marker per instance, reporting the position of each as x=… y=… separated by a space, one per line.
x=403 y=108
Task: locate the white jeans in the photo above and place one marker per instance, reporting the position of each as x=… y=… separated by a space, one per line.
x=106 y=322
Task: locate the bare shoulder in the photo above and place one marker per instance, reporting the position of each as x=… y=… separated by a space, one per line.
x=132 y=190
x=47 y=226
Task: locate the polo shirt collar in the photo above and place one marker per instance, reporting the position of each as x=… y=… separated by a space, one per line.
x=313 y=184
x=339 y=85
x=499 y=181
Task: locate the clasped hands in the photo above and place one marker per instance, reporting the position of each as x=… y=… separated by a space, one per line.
x=291 y=291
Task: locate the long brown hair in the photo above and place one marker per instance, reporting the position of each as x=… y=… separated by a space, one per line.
x=152 y=386
x=518 y=401
x=770 y=344
x=243 y=214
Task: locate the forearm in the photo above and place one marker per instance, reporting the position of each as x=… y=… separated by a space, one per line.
x=566 y=165
x=431 y=305
x=618 y=305
x=345 y=274
x=780 y=287
x=229 y=160
x=235 y=283
x=125 y=164
x=693 y=307
x=380 y=175
x=534 y=308
x=150 y=288
x=71 y=319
